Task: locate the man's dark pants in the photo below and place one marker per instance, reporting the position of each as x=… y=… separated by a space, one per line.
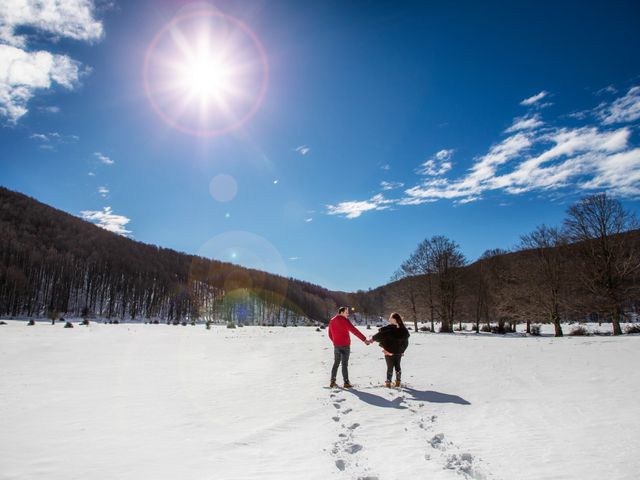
x=341 y=355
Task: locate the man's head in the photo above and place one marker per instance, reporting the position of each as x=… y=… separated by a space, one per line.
x=344 y=311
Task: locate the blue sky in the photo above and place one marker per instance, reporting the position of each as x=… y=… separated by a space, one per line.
x=381 y=124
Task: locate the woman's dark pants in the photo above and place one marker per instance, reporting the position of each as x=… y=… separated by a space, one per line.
x=341 y=355
x=393 y=362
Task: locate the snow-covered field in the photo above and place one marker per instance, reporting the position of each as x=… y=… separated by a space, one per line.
x=172 y=402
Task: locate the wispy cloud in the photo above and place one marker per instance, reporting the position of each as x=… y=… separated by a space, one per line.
x=39 y=136
x=385 y=166
x=532 y=156
x=103 y=158
x=294 y=259
x=356 y=208
x=50 y=109
x=54 y=137
x=390 y=185
x=528 y=122
x=103 y=191
x=303 y=149
x=308 y=220
x=608 y=89
x=108 y=220
x=24 y=72
x=534 y=99
x=622 y=110
x=439 y=164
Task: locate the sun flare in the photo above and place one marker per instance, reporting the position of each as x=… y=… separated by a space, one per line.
x=205 y=73
x=206 y=78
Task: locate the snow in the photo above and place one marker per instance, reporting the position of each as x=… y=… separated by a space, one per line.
x=134 y=401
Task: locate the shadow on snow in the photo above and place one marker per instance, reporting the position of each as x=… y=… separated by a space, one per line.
x=422 y=396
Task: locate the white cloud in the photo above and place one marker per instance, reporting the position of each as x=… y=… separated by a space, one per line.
x=60 y=19
x=103 y=191
x=50 y=109
x=565 y=155
x=103 y=158
x=386 y=166
x=534 y=99
x=293 y=259
x=619 y=174
x=54 y=137
x=576 y=152
x=303 y=149
x=623 y=109
x=308 y=220
x=390 y=185
x=355 y=209
x=24 y=72
x=108 y=220
x=439 y=164
x=552 y=159
x=608 y=89
x=529 y=122
x=91 y=174
x=468 y=200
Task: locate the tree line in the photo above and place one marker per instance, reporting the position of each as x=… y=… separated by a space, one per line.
x=588 y=268
x=52 y=262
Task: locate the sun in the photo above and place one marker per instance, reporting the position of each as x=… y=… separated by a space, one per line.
x=205 y=73
x=207 y=78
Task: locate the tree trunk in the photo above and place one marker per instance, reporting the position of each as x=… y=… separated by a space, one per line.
x=615 y=321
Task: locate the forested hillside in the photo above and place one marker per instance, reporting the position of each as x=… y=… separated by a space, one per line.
x=54 y=263
x=586 y=269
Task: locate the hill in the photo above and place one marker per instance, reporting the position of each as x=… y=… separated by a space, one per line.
x=54 y=262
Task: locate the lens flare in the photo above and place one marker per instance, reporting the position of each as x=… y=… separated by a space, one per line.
x=223 y=187
x=205 y=73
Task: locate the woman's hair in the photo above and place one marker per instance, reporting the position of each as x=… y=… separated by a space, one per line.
x=342 y=310
x=396 y=316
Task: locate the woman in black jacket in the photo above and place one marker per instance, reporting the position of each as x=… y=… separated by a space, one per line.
x=394 y=340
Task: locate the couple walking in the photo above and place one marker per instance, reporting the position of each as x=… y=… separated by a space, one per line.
x=393 y=338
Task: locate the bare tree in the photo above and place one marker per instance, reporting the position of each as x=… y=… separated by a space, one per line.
x=409 y=288
x=547 y=278
x=420 y=264
x=608 y=260
x=439 y=259
x=500 y=296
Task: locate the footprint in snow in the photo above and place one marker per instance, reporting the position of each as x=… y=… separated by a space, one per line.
x=337 y=405
x=348 y=410
x=354 y=426
x=461 y=463
x=353 y=448
x=335 y=419
x=340 y=465
x=437 y=441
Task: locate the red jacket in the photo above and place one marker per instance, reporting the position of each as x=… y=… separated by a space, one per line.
x=339 y=328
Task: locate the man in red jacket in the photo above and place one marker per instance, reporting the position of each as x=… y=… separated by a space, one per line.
x=339 y=328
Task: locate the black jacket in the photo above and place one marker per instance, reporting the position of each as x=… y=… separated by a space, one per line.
x=393 y=339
